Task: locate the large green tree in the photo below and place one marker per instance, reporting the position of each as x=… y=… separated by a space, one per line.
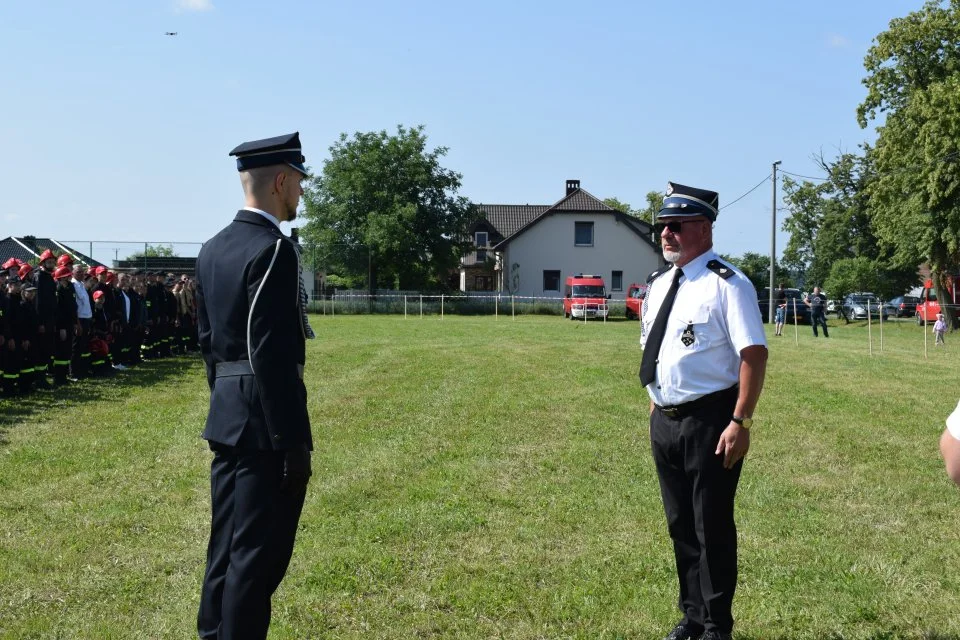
x=654 y=203
x=833 y=221
x=913 y=80
x=384 y=210
x=154 y=251
x=756 y=267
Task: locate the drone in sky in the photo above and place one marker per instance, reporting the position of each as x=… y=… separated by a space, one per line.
x=170 y=33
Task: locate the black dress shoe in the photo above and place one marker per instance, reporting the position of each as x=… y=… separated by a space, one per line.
x=715 y=635
x=684 y=632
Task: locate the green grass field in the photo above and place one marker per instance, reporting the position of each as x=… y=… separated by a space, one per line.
x=491 y=478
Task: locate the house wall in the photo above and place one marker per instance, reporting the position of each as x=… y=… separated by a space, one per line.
x=549 y=245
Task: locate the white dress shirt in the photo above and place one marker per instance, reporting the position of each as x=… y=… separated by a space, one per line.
x=269 y=216
x=724 y=318
x=84 y=312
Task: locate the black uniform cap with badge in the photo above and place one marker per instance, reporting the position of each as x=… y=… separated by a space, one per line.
x=283 y=149
x=681 y=201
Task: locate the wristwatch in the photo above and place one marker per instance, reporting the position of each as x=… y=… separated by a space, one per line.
x=746 y=423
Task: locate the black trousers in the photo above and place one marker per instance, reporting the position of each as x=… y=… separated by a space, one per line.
x=819 y=318
x=698 y=495
x=80 y=357
x=251 y=541
x=45 y=346
x=61 y=354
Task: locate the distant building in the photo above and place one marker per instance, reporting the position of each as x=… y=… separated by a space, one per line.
x=172 y=264
x=528 y=250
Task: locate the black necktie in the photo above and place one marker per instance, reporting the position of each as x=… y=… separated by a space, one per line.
x=651 y=352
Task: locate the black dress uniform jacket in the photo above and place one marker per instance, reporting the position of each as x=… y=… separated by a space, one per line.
x=66 y=308
x=248 y=303
x=46 y=298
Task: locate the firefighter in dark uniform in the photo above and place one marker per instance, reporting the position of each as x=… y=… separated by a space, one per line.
x=25 y=331
x=703 y=365
x=66 y=325
x=47 y=312
x=6 y=332
x=156 y=300
x=253 y=343
x=134 y=326
x=170 y=312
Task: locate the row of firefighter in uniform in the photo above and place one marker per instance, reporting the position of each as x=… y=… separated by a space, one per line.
x=68 y=321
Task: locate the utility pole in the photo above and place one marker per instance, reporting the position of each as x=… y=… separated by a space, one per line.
x=773 y=243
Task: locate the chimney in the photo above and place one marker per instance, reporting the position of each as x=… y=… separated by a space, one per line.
x=572 y=185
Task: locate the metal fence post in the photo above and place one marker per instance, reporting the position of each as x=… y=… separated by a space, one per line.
x=441 y=305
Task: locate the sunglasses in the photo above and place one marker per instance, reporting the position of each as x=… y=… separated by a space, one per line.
x=675 y=226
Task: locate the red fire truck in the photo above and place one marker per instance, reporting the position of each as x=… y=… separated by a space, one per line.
x=584 y=296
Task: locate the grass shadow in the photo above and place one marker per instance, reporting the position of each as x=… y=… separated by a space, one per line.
x=22 y=408
x=876 y=635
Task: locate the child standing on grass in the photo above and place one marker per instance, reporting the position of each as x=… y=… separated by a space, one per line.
x=940 y=328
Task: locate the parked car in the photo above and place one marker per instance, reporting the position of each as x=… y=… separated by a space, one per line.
x=793 y=295
x=855 y=306
x=904 y=306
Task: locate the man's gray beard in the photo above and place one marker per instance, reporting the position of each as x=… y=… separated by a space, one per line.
x=671 y=256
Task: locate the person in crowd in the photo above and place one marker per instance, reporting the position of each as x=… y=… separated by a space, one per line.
x=46 y=303
x=66 y=326
x=80 y=353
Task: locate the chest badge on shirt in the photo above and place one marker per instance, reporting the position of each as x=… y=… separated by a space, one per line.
x=687 y=336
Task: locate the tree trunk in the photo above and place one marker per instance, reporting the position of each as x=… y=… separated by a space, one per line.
x=944 y=285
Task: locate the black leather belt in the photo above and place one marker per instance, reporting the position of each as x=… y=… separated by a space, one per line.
x=687 y=408
x=242 y=368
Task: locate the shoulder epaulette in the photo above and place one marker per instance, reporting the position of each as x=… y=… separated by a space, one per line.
x=659 y=272
x=722 y=270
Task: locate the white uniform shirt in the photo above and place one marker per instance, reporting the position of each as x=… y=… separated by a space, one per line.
x=724 y=317
x=953 y=423
x=126 y=305
x=84 y=311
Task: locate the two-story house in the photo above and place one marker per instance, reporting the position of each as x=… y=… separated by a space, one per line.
x=528 y=250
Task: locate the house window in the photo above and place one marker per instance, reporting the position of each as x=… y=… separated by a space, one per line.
x=616 y=281
x=481 y=238
x=483 y=283
x=551 y=281
x=583 y=234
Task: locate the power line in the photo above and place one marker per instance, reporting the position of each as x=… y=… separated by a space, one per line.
x=798 y=175
x=745 y=195
x=946 y=158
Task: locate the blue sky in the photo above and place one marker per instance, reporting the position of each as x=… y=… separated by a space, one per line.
x=112 y=131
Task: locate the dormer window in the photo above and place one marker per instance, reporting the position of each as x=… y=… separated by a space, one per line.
x=481 y=238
